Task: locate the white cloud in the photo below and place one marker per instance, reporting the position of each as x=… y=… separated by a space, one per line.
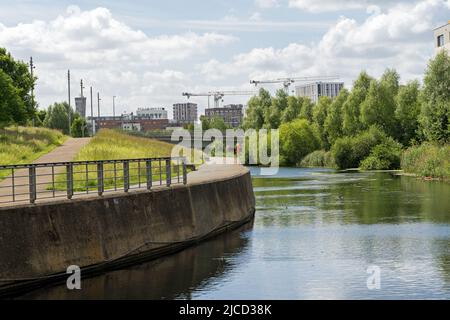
x=337 y=5
x=107 y=53
x=399 y=37
x=266 y=4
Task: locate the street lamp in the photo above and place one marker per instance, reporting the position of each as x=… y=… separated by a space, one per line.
x=114 y=107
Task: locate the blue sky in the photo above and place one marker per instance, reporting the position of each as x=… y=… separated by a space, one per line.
x=147 y=53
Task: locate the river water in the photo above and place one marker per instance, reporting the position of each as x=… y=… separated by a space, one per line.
x=316 y=235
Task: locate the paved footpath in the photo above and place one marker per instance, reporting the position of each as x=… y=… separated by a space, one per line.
x=63 y=153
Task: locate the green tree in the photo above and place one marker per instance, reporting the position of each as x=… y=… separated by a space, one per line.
x=306 y=111
x=407 y=112
x=391 y=80
x=12 y=109
x=273 y=114
x=58 y=117
x=320 y=113
x=79 y=126
x=297 y=139
x=20 y=75
x=256 y=110
x=435 y=109
x=351 y=109
x=333 y=122
x=293 y=109
x=379 y=108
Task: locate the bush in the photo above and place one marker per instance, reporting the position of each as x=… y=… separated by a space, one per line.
x=349 y=152
x=297 y=139
x=384 y=156
x=427 y=160
x=319 y=158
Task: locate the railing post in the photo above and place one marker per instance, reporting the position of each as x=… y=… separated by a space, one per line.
x=126 y=176
x=148 y=165
x=32 y=183
x=184 y=171
x=69 y=169
x=168 y=172
x=100 y=181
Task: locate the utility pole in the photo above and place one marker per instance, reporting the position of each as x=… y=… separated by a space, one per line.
x=70 y=108
x=98 y=104
x=92 y=116
x=114 y=107
x=82 y=87
x=32 y=88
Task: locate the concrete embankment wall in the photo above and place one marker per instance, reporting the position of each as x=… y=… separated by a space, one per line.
x=44 y=239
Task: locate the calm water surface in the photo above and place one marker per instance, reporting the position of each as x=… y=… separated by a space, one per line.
x=315 y=234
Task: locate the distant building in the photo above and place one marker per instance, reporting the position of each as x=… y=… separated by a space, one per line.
x=231 y=114
x=80 y=106
x=128 y=122
x=442 y=38
x=316 y=90
x=152 y=113
x=185 y=113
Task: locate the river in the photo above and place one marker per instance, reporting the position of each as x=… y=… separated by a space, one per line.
x=316 y=235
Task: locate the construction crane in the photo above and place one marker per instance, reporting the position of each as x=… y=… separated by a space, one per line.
x=288 y=81
x=218 y=95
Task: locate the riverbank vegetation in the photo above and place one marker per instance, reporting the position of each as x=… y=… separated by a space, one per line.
x=18 y=107
x=115 y=145
x=25 y=144
x=378 y=124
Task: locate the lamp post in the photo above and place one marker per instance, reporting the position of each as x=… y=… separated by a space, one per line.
x=114 y=107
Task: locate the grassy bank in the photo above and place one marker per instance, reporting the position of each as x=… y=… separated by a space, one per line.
x=428 y=161
x=115 y=145
x=25 y=144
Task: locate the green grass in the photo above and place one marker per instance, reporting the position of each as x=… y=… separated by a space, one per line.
x=20 y=145
x=115 y=145
x=427 y=160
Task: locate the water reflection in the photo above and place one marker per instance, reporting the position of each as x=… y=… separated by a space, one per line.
x=171 y=277
x=315 y=234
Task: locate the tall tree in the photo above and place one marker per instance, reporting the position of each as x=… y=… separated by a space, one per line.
x=12 y=109
x=57 y=117
x=20 y=75
x=293 y=109
x=256 y=110
x=379 y=108
x=306 y=109
x=407 y=112
x=333 y=122
x=320 y=113
x=351 y=108
x=434 y=116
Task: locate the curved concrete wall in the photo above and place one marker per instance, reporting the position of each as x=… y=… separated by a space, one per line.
x=44 y=239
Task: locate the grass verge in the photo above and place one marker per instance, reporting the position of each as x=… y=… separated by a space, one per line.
x=428 y=161
x=19 y=145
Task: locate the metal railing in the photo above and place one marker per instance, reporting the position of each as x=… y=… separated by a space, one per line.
x=32 y=182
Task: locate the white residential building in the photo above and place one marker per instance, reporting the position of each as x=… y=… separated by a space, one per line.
x=316 y=90
x=442 y=38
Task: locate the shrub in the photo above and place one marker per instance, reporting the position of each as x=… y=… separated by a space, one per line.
x=348 y=152
x=427 y=160
x=384 y=156
x=319 y=158
x=297 y=139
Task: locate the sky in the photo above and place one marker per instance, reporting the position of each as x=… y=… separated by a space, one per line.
x=146 y=53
